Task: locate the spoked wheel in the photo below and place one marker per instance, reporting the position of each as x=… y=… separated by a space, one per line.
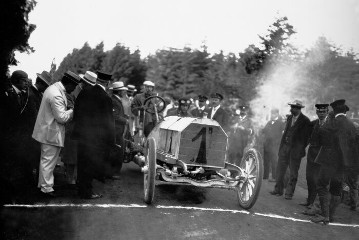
x=248 y=189
x=154 y=104
x=150 y=172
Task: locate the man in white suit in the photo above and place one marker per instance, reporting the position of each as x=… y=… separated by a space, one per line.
x=49 y=128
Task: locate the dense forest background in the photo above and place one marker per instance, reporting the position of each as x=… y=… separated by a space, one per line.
x=262 y=76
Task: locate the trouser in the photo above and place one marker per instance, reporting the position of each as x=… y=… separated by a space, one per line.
x=351 y=178
x=270 y=163
x=48 y=160
x=312 y=171
x=329 y=183
x=91 y=165
x=284 y=161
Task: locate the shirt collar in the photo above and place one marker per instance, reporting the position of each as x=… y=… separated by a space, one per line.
x=101 y=87
x=340 y=114
x=202 y=108
x=16 y=89
x=216 y=108
x=61 y=86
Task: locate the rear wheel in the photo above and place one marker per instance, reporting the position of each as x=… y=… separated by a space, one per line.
x=150 y=173
x=248 y=189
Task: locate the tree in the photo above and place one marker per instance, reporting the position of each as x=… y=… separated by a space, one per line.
x=15 y=31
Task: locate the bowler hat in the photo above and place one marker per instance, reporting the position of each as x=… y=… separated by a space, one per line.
x=296 y=103
x=45 y=77
x=104 y=76
x=90 y=78
x=19 y=75
x=73 y=77
x=217 y=95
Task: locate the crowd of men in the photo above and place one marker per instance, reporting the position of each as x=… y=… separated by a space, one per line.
x=88 y=120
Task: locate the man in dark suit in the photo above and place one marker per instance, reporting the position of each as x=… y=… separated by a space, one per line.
x=95 y=131
x=198 y=111
x=240 y=134
x=272 y=133
x=36 y=91
x=216 y=112
x=121 y=123
x=338 y=154
x=312 y=168
x=292 y=149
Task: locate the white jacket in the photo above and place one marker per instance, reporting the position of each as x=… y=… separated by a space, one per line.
x=50 y=122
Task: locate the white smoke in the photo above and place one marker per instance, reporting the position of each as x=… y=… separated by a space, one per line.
x=286 y=81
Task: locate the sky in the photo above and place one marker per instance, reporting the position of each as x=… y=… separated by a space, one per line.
x=149 y=25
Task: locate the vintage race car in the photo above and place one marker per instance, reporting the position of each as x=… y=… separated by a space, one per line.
x=193 y=151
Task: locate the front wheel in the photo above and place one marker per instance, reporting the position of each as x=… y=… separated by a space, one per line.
x=150 y=173
x=252 y=168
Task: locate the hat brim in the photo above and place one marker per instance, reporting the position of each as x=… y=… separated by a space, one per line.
x=92 y=84
x=42 y=78
x=295 y=105
x=119 y=89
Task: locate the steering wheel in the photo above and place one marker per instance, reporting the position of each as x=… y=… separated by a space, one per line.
x=154 y=104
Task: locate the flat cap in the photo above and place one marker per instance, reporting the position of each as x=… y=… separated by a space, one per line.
x=18 y=75
x=217 y=95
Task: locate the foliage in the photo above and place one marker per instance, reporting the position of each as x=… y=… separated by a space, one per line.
x=15 y=31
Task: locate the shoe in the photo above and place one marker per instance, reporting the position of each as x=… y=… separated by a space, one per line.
x=48 y=194
x=276 y=193
x=305 y=204
x=288 y=197
x=92 y=196
x=320 y=219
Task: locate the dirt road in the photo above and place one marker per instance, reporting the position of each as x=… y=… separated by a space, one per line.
x=178 y=213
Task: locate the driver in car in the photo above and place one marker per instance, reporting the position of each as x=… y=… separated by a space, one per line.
x=137 y=108
x=184 y=104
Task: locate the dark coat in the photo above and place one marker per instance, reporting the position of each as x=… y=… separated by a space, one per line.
x=314 y=140
x=299 y=139
x=196 y=112
x=150 y=119
x=94 y=124
x=272 y=133
x=346 y=133
x=120 y=118
x=221 y=116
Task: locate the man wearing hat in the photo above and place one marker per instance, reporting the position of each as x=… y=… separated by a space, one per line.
x=312 y=168
x=49 y=128
x=198 y=111
x=131 y=89
x=121 y=111
x=216 y=112
x=69 y=154
x=137 y=107
x=16 y=167
x=272 y=133
x=239 y=135
x=292 y=149
x=337 y=155
x=94 y=130
x=42 y=82
x=184 y=104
